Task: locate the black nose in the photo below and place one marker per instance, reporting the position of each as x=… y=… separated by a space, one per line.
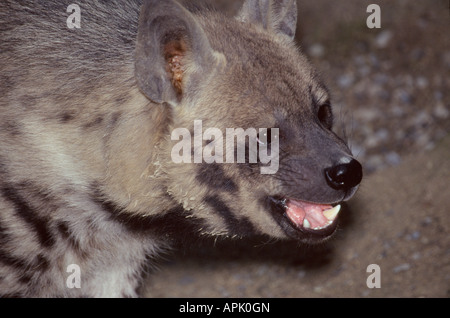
x=344 y=176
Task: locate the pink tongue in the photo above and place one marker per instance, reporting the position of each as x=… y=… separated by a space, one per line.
x=297 y=211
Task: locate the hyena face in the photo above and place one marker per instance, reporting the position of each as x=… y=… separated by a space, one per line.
x=247 y=73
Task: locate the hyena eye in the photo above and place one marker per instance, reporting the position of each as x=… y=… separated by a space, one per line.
x=325 y=115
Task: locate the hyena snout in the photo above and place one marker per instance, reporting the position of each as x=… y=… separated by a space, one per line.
x=345 y=175
x=312 y=216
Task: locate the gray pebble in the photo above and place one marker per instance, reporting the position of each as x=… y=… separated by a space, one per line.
x=401 y=268
x=393 y=158
x=382 y=40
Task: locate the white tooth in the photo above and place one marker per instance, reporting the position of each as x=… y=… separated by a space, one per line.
x=331 y=213
x=306 y=224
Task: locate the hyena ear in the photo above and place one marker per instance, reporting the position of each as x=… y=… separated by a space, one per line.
x=173 y=55
x=278 y=16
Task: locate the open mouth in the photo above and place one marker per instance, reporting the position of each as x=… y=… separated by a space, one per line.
x=301 y=219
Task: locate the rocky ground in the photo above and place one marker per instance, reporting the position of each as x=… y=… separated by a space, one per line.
x=391 y=99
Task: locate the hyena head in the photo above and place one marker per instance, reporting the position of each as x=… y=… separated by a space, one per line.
x=219 y=75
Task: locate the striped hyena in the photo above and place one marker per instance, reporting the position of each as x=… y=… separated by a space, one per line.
x=89 y=185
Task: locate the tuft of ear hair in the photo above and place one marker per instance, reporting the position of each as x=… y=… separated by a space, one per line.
x=174 y=54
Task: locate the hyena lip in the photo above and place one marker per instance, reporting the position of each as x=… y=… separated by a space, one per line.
x=305 y=220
